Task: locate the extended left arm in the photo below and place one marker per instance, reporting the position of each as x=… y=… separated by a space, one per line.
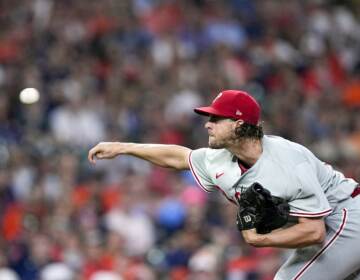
x=306 y=232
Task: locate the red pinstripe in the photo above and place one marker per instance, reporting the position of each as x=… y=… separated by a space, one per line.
x=195 y=176
x=304 y=214
x=199 y=182
x=327 y=245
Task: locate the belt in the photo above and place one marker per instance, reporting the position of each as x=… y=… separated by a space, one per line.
x=356 y=191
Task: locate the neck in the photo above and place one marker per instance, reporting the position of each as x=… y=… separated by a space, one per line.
x=248 y=150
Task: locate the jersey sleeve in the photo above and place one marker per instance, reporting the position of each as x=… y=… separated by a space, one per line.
x=307 y=198
x=197 y=163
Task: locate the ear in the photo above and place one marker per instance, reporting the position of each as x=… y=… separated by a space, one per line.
x=238 y=123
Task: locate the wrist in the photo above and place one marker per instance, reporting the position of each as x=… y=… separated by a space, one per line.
x=125 y=148
x=260 y=239
x=253 y=238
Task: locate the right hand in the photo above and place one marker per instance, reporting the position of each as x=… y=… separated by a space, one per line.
x=104 y=150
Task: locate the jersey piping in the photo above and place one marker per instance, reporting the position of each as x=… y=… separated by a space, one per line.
x=304 y=214
x=195 y=175
x=327 y=246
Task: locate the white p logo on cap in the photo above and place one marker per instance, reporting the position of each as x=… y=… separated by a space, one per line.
x=217 y=97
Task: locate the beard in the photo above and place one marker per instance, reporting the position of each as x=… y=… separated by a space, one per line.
x=224 y=143
x=217 y=143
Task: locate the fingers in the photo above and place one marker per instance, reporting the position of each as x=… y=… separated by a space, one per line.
x=103 y=150
x=92 y=155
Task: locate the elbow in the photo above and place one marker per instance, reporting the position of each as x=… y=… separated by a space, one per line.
x=319 y=237
x=319 y=234
x=314 y=230
x=178 y=165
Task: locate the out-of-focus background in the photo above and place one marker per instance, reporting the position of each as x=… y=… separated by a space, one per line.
x=121 y=70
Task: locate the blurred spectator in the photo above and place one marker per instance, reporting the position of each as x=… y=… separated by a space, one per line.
x=105 y=275
x=56 y=271
x=8 y=274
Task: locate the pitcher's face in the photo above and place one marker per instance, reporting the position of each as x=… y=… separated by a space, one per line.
x=221 y=131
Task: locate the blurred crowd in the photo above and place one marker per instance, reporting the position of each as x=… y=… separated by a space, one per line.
x=122 y=70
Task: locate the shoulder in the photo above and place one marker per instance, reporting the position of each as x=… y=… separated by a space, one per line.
x=277 y=142
x=211 y=155
x=281 y=149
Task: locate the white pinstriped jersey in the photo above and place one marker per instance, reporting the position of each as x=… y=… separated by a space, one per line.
x=287 y=169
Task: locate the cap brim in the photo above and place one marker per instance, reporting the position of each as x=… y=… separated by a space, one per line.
x=208 y=111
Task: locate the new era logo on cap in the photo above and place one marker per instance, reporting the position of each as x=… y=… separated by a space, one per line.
x=234 y=104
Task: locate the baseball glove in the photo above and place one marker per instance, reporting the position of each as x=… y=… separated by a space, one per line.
x=259 y=209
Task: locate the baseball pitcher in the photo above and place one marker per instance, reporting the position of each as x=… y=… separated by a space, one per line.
x=286 y=197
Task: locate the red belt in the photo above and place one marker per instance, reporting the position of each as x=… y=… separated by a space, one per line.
x=356 y=191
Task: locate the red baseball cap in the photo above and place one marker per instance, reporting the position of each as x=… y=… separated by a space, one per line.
x=233 y=104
